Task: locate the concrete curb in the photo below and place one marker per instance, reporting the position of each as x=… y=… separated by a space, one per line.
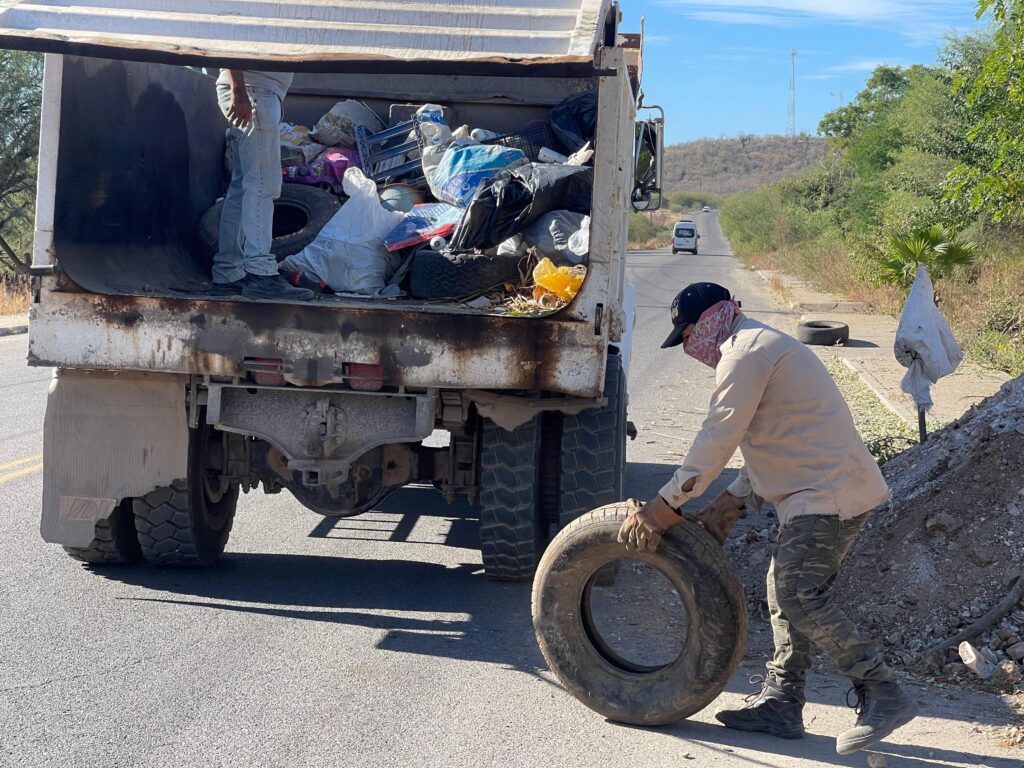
x=13 y=330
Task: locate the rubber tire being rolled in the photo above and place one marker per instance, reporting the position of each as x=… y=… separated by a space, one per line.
x=436 y=275
x=299 y=215
x=826 y=333
x=695 y=564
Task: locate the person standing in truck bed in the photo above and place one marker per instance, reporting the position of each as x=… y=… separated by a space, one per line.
x=252 y=103
x=776 y=402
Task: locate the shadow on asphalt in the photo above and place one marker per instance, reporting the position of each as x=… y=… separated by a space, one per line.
x=491 y=622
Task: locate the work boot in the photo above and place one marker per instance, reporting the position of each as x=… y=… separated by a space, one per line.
x=273 y=287
x=771 y=710
x=881 y=709
x=227 y=290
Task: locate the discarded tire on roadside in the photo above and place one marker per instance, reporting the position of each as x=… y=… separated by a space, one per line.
x=599 y=675
x=826 y=333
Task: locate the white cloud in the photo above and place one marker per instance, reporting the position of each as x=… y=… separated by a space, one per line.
x=922 y=21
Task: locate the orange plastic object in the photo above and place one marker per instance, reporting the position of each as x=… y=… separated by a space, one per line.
x=564 y=282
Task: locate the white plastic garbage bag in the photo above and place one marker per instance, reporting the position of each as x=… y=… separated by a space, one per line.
x=349 y=253
x=550 y=235
x=924 y=342
x=579 y=243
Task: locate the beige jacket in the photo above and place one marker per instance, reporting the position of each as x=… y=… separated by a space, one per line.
x=775 y=400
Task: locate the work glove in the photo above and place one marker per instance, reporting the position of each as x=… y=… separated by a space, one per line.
x=643 y=529
x=721 y=515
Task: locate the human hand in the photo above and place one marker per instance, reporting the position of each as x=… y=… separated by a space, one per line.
x=643 y=529
x=240 y=111
x=721 y=515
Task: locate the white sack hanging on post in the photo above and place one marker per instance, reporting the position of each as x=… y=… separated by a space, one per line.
x=924 y=342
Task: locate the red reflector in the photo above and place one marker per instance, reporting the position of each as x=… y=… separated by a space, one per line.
x=266 y=371
x=365 y=377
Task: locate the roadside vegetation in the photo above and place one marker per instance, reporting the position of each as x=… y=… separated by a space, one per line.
x=925 y=165
x=21 y=77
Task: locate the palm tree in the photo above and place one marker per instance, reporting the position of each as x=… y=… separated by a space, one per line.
x=936 y=247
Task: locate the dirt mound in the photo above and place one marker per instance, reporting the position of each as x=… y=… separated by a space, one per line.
x=951 y=545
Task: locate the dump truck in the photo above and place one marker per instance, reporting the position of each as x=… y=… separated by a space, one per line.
x=166 y=403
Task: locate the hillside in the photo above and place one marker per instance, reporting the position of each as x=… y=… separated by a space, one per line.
x=733 y=164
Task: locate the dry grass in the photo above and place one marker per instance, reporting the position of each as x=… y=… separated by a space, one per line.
x=780 y=291
x=13 y=299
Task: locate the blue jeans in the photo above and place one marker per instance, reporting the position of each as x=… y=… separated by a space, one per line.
x=246 y=222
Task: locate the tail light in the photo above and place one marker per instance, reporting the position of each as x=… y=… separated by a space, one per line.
x=266 y=371
x=365 y=377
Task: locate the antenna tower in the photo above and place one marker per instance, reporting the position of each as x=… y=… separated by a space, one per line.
x=791 y=119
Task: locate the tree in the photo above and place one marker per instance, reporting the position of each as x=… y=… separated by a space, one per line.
x=936 y=247
x=994 y=90
x=20 y=93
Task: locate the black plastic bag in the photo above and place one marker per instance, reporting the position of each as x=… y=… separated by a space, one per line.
x=517 y=198
x=574 y=121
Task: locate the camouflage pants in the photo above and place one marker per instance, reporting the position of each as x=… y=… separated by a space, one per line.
x=807 y=558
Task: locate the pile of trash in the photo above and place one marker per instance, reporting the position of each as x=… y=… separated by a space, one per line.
x=498 y=221
x=936 y=577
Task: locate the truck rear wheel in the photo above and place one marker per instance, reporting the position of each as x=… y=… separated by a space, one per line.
x=601 y=670
x=594 y=450
x=115 y=540
x=514 y=523
x=188 y=522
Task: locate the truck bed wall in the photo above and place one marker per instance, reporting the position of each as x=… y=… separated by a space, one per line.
x=141 y=158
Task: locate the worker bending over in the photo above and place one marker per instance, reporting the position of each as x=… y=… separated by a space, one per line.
x=777 y=403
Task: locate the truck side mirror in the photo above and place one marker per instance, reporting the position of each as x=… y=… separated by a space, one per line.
x=648 y=155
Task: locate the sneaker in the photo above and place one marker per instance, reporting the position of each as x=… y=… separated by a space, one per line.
x=226 y=290
x=771 y=710
x=273 y=287
x=881 y=709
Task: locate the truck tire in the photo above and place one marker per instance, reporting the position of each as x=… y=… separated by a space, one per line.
x=188 y=522
x=696 y=566
x=513 y=528
x=594 y=451
x=115 y=541
x=299 y=215
x=435 y=275
x=825 y=333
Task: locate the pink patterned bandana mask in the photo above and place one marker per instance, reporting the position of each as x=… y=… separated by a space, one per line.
x=710 y=331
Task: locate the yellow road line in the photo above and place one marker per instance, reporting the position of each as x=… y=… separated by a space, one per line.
x=19 y=462
x=21 y=473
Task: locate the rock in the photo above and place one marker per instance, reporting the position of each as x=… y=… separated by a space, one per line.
x=757 y=557
x=1010 y=575
x=1016 y=652
x=1008 y=673
x=954 y=669
x=876 y=760
x=895 y=640
x=940 y=522
x=975 y=662
x=980 y=557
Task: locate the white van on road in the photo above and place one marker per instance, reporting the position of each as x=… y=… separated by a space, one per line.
x=685 y=237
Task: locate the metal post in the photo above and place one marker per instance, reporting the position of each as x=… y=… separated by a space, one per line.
x=921 y=425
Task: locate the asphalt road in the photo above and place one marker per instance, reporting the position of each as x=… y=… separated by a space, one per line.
x=374 y=641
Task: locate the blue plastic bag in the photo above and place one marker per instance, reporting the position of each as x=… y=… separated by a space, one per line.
x=465 y=168
x=422 y=223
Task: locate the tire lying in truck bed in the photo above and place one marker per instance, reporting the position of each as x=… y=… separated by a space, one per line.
x=299 y=215
x=695 y=566
x=436 y=275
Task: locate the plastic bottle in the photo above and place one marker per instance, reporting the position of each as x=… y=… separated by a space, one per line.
x=550 y=156
x=564 y=282
x=481 y=134
x=433 y=128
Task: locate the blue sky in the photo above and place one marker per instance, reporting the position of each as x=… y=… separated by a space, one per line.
x=724 y=68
